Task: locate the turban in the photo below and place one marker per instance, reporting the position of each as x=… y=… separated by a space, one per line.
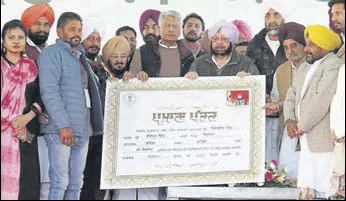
x=92 y=24
x=31 y=14
x=323 y=37
x=153 y=14
x=292 y=30
x=117 y=43
x=228 y=29
x=280 y=6
x=244 y=29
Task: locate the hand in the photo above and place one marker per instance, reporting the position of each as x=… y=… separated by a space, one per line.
x=336 y=139
x=243 y=74
x=66 y=136
x=142 y=76
x=268 y=99
x=43 y=118
x=271 y=108
x=292 y=129
x=300 y=132
x=21 y=121
x=308 y=196
x=21 y=134
x=128 y=76
x=191 y=75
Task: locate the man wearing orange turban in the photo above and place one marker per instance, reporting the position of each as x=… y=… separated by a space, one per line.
x=37 y=11
x=38 y=19
x=34 y=178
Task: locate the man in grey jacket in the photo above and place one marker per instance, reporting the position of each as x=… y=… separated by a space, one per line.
x=222 y=61
x=70 y=94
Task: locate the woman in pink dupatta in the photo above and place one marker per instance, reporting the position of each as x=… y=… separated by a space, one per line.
x=16 y=72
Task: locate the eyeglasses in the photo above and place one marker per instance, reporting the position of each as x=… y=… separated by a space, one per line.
x=117 y=57
x=222 y=39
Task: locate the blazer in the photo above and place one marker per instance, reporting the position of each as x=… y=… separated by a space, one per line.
x=315 y=103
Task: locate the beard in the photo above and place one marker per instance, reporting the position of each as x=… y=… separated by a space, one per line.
x=118 y=66
x=337 y=27
x=311 y=59
x=117 y=71
x=150 y=38
x=38 y=38
x=92 y=55
x=226 y=52
x=192 y=37
x=296 y=58
x=75 y=41
x=273 y=29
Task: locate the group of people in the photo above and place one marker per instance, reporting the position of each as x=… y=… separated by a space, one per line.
x=53 y=97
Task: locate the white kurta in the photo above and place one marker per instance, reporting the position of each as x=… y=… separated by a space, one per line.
x=315 y=169
x=289 y=157
x=337 y=124
x=337 y=109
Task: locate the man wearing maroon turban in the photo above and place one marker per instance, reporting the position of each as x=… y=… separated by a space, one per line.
x=291 y=36
x=150 y=30
x=34 y=179
x=149 y=25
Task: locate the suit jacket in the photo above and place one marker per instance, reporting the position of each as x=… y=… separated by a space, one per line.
x=315 y=103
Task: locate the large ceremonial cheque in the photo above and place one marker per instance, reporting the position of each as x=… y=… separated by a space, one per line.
x=176 y=132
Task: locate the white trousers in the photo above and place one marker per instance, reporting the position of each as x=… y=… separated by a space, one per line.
x=289 y=157
x=272 y=130
x=44 y=168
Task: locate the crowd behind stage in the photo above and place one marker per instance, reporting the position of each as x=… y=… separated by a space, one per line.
x=53 y=97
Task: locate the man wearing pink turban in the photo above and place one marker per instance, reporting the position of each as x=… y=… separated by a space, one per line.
x=223 y=60
x=245 y=35
x=244 y=30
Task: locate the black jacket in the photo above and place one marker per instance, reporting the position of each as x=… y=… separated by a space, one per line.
x=264 y=58
x=204 y=66
x=151 y=61
x=32 y=93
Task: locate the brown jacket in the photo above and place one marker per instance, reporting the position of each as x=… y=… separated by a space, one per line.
x=284 y=81
x=283 y=77
x=315 y=104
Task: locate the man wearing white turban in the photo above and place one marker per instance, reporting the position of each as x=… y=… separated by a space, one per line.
x=222 y=61
x=265 y=47
x=93 y=30
x=269 y=54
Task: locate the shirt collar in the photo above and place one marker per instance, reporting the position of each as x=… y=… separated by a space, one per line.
x=293 y=66
x=31 y=43
x=343 y=37
x=165 y=46
x=228 y=60
x=79 y=51
x=318 y=62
